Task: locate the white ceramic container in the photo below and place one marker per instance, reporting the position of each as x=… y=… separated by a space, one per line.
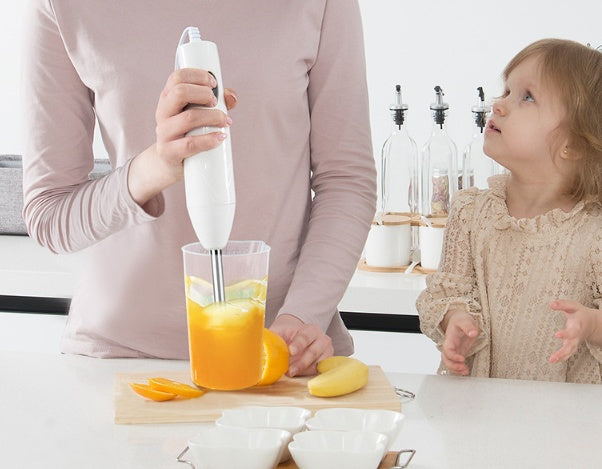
x=389 y=242
x=431 y=242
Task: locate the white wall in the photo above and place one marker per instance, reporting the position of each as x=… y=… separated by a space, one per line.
x=458 y=45
x=11 y=13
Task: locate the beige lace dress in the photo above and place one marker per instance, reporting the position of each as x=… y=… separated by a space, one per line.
x=505 y=271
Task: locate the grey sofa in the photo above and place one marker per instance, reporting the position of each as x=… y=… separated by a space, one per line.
x=11 y=192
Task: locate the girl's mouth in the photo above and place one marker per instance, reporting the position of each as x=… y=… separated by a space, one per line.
x=491 y=126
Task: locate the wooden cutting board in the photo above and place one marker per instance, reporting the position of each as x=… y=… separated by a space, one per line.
x=132 y=408
x=387 y=462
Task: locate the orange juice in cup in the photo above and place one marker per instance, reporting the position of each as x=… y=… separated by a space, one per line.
x=225 y=339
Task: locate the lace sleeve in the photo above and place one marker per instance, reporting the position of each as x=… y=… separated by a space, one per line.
x=596 y=285
x=455 y=281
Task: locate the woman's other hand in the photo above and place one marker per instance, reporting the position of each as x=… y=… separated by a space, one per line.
x=307 y=344
x=161 y=165
x=461 y=333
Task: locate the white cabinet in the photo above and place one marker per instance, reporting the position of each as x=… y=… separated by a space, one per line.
x=397 y=351
x=27 y=269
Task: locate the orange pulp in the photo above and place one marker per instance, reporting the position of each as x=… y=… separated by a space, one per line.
x=226 y=343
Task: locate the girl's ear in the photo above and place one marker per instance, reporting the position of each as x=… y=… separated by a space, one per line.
x=568 y=151
x=567 y=154
x=564 y=154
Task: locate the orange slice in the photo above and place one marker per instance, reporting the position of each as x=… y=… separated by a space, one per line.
x=274 y=360
x=256 y=289
x=146 y=391
x=174 y=387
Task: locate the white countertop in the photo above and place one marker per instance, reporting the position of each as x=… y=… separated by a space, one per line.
x=57 y=412
x=27 y=269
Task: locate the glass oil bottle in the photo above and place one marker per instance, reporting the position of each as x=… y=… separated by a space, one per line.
x=439 y=163
x=476 y=165
x=399 y=168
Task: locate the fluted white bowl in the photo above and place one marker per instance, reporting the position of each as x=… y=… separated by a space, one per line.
x=387 y=422
x=291 y=419
x=252 y=448
x=327 y=449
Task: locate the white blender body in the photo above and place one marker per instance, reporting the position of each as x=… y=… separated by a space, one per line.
x=208 y=175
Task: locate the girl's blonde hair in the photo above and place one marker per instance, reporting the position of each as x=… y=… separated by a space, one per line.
x=575 y=71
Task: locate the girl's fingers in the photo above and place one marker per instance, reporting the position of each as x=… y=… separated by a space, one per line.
x=467 y=325
x=558 y=357
x=565 y=305
x=452 y=360
x=456 y=368
x=454 y=356
x=564 y=353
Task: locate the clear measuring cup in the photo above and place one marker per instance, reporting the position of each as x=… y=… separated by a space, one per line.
x=226 y=339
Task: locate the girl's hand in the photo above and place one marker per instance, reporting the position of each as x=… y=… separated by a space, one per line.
x=161 y=165
x=580 y=326
x=461 y=333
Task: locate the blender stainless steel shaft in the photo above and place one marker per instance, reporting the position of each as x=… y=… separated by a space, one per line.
x=217 y=274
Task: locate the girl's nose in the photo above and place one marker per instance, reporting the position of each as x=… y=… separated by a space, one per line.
x=499 y=107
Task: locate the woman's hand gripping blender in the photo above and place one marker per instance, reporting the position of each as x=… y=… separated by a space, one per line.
x=161 y=164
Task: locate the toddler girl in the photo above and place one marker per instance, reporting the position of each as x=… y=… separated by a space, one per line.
x=518 y=290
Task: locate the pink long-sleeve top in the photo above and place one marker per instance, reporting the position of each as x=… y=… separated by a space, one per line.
x=301 y=124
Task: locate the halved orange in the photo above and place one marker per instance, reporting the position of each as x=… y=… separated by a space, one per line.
x=274 y=359
x=146 y=391
x=174 y=387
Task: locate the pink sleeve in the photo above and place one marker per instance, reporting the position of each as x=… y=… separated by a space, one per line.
x=63 y=210
x=344 y=174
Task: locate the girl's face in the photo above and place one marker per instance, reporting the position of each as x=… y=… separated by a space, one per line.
x=522 y=130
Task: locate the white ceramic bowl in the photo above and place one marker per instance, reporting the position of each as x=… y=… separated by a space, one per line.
x=386 y=422
x=252 y=448
x=325 y=449
x=291 y=419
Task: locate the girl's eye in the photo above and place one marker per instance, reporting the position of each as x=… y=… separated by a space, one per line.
x=528 y=97
x=505 y=93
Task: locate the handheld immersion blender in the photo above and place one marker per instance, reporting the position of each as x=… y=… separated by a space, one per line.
x=209 y=175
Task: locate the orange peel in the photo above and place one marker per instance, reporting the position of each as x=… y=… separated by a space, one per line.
x=175 y=387
x=274 y=359
x=146 y=391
